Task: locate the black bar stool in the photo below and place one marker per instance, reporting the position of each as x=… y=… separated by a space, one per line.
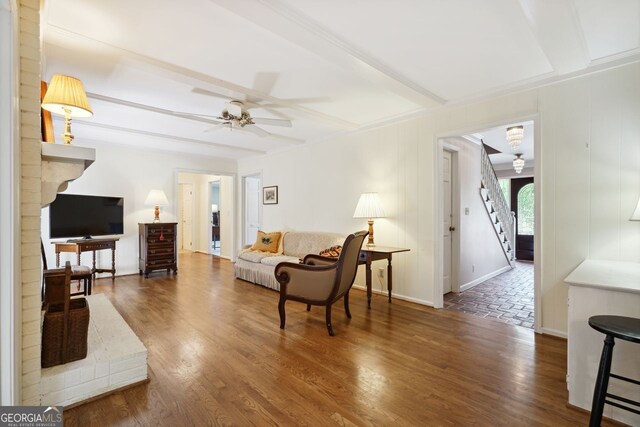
x=624 y=328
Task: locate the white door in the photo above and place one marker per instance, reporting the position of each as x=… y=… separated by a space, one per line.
x=186 y=217
x=448 y=221
x=251 y=209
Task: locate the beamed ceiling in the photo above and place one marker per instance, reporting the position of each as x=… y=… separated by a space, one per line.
x=329 y=66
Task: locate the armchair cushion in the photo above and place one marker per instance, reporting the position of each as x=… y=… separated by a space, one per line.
x=308 y=281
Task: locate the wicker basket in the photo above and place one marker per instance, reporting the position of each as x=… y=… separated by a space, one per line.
x=62 y=344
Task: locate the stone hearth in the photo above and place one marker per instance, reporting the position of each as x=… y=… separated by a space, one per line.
x=116 y=358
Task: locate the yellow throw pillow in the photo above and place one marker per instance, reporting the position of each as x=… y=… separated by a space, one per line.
x=267 y=242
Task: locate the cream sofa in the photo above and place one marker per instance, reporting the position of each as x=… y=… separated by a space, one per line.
x=258 y=267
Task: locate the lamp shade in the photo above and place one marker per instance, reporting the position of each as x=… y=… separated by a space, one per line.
x=369 y=206
x=214 y=208
x=636 y=214
x=66 y=92
x=156 y=198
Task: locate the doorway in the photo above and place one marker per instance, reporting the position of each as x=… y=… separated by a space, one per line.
x=215 y=217
x=522 y=205
x=251 y=209
x=491 y=282
x=206 y=213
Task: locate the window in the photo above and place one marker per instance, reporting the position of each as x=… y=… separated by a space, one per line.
x=525 y=210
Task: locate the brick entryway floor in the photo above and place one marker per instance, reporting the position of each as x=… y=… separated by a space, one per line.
x=507 y=298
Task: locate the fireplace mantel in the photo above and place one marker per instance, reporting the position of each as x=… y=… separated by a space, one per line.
x=62 y=164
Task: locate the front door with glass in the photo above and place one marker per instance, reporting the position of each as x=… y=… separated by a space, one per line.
x=522 y=203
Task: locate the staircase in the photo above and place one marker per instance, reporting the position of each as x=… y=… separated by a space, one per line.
x=502 y=218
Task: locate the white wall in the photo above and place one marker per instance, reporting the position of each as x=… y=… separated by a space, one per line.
x=131 y=173
x=481 y=254
x=589 y=133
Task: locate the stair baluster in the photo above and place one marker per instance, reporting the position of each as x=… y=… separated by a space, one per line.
x=492 y=195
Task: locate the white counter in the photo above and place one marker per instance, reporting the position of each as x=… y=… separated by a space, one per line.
x=610 y=275
x=602 y=287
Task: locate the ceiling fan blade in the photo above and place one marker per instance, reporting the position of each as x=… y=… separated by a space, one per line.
x=237 y=95
x=256 y=130
x=182 y=113
x=315 y=100
x=263 y=82
x=207 y=92
x=275 y=112
x=271 y=122
x=218 y=126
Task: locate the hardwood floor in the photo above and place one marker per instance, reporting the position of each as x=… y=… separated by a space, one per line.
x=218 y=357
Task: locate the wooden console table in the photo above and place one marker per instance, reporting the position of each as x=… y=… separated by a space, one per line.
x=368 y=254
x=89 y=245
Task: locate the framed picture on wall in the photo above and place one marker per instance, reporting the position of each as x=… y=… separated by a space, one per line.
x=270 y=195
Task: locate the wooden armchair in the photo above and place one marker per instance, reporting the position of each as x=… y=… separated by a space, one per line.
x=320 y=280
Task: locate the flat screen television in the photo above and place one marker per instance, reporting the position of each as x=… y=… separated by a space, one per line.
x=76 y=215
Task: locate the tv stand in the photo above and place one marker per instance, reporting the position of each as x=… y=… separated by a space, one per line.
x=82 y=239
x=89 y=245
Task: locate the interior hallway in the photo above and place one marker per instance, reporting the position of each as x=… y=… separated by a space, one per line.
x=507 y=298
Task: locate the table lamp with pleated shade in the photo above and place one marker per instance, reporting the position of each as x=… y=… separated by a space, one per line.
x=370 y=207
x=156 y=198
x=66 y=96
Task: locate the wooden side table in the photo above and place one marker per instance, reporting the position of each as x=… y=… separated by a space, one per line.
x=368 y=254
x=89 y=245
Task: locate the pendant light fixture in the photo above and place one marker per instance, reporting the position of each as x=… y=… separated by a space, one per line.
x=515 y=135
x=518 y=163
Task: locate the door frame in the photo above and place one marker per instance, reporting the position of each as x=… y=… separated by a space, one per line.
x=234 y=202
x=10 y=246
x=181 y=189
x=257 y=174
x=455 y=208
x=437 y=277
x=209 y=203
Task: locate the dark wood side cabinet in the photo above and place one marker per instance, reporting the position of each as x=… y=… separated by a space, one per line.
x=158 y=248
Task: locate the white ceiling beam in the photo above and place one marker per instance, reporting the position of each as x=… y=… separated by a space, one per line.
x=200 y=80
x=131 y=104
x=556 y=26
x=291 y=25
x=164 y=136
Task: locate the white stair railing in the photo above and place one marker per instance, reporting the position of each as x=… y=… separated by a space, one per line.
x=494 y=193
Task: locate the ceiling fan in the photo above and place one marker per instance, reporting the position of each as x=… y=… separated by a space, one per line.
x=235 y=116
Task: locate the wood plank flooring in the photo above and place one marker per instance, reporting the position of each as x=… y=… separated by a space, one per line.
x=217 y=357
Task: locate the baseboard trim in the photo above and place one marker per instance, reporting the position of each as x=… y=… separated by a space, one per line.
x=396 y=296
x=553 y=332
x=484 y=278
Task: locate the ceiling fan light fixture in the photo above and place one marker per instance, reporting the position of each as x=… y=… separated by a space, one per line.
x=518 y=163
x=515 y=135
